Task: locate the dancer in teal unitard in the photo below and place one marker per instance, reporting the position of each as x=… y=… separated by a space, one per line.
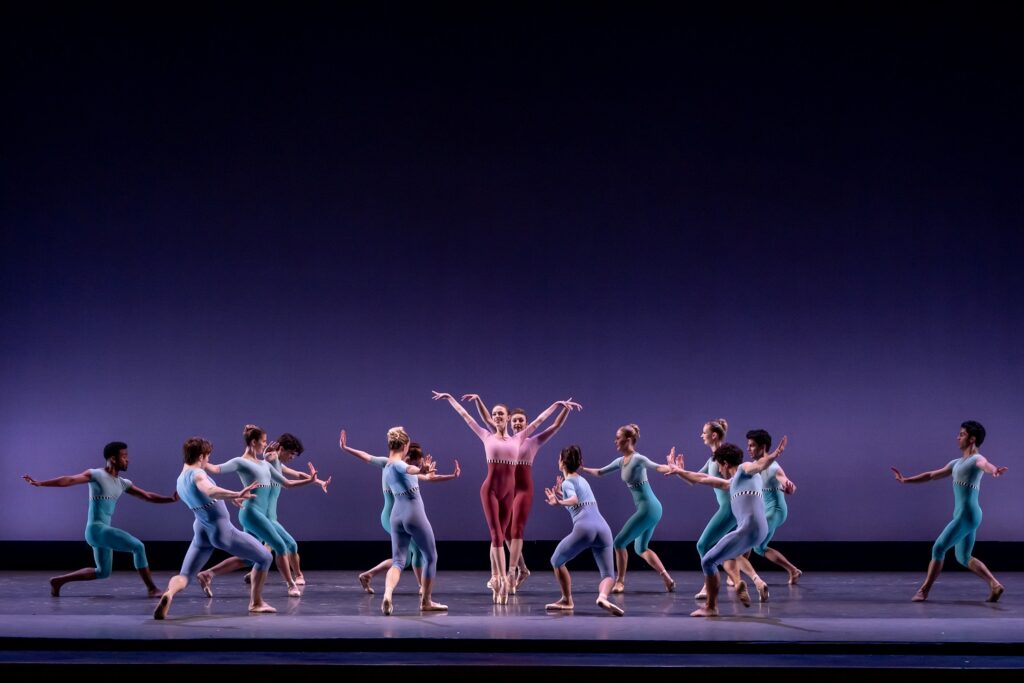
x=775 y=486
x=254 y=515
x=639 y=528
x=966 y=471
x=105 y=486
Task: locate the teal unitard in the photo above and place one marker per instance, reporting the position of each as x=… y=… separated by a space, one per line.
x=104 y=490
x=960 y=532
x=640 y=527
x=723 y=520
x=775 y=507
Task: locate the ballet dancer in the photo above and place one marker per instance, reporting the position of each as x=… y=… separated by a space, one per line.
x=254 y=513
x=213 y=528
x=414 y=457
x=105 y=486
x=589 y=530
x=522 y=497
x=967 y=471
x=742 y=481
x=639 y=528
x=408 y=523
x=775 y=485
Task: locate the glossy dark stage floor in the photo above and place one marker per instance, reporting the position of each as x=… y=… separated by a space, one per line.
x=850 y=620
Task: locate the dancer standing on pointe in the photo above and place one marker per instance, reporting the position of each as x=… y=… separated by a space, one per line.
x=409 y=523
x=743 y=483
x=105 y=486
x=639 y=528
x=416 y=458
x=498 y=490
x=589 y=530
x=254 y=513
x=722 y=522
x=775 y=486
x=522 y=497
x=967 y=471
x=213 y=528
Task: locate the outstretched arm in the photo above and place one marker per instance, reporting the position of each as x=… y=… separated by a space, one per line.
x=343 y=444
x=610 y=467
x=470 y=422
x=229 y=466
x=152 y=497
x=204 y=484
x=435 y=477
x=481 y=408
x=297 y=474
x=676 y=465
x=293 y=483
x=988 y=467
x=67 y=480
x=924 y=476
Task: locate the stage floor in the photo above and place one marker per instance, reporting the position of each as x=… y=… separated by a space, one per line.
x=829 y=619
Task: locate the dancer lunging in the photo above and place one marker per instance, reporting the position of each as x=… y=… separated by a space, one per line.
x=213 y=529
x=105 y=486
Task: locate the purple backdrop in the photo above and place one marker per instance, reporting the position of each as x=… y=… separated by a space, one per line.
x=800 y=223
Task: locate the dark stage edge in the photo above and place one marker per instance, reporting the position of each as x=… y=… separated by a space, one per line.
x=829 y=621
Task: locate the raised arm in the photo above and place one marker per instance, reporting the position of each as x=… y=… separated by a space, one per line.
x=362 y=455
x=557 y=424
x=204 y=484
x=470 y=422
x=151 y=497
x=764 y=463
x=66 y=480
x=983 y=464
x=924 y=476
x=481 y=408
x=566 y=406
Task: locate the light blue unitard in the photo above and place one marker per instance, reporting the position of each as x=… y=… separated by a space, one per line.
x=213 y=529
x=589 y=529
x=722 y=522
x=960 y=532
x=416 y=558
x=775 y=507
x=254 y=514
x=408 y=519
x=640 y=527
x=104 y=490
x=752 y=527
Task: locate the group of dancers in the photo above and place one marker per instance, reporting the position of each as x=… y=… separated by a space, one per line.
x=751 y=499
